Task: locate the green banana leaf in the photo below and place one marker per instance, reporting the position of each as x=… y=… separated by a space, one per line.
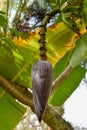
x=11 y=111
x=64 y=91
x=75 y=57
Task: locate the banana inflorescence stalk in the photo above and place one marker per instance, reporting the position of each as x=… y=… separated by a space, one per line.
x=42 y=75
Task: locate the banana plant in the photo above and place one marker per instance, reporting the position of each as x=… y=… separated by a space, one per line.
x=65 y=45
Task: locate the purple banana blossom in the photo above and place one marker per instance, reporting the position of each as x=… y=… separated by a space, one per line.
x=42 y=77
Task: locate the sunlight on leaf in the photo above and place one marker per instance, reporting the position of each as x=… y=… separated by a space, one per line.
x=19 y=41
x=58 y=41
